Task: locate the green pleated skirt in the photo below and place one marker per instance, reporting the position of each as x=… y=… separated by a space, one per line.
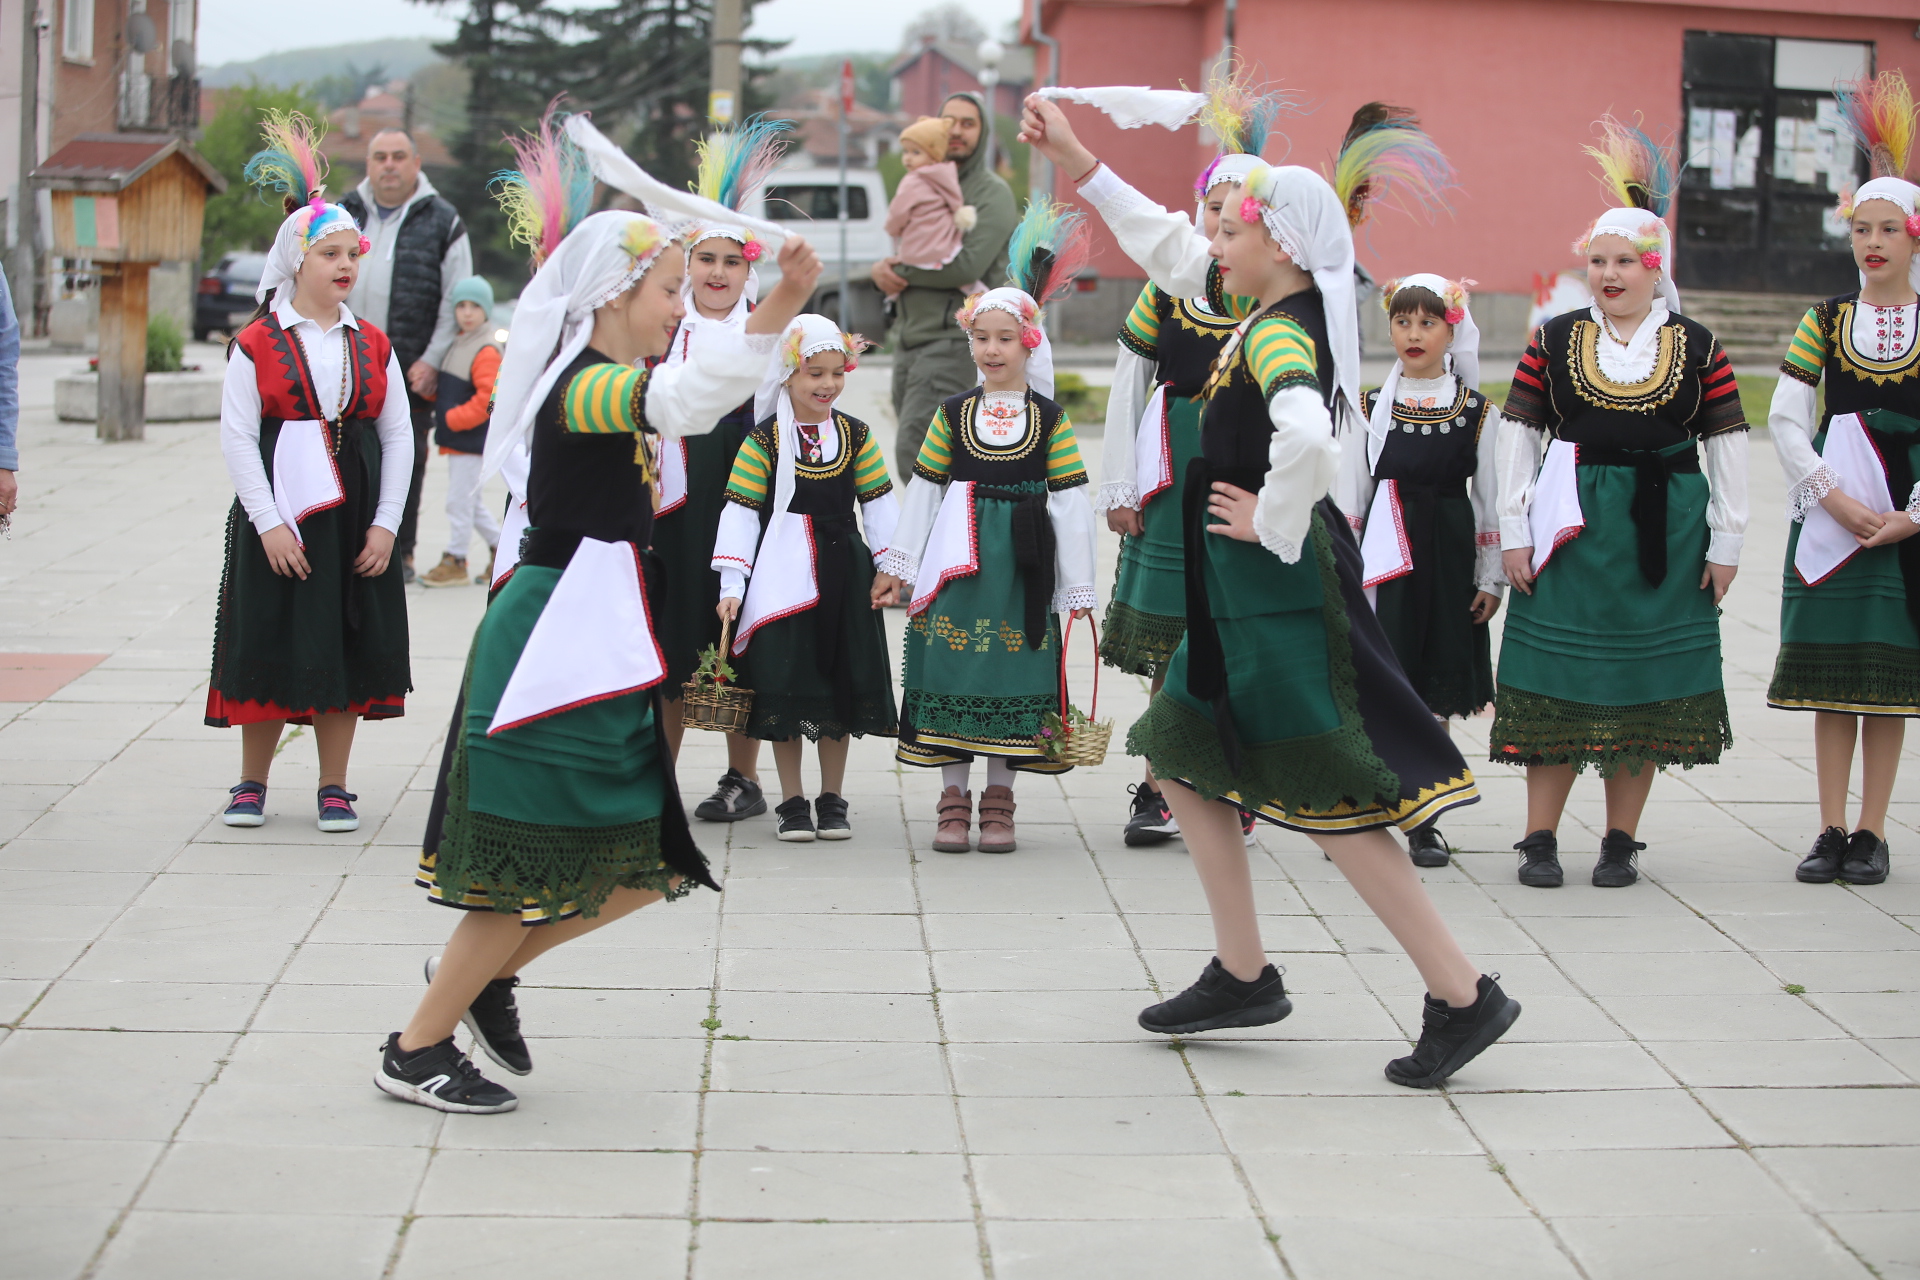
x=1147 y=613
x=1599 y=667
x=545 y=820
x=1849 y=644
x=970 y=683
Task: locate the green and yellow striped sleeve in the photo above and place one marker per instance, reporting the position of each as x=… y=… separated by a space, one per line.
x=1279 y=354
x=936 y=451
x=870 y=478
x=1807 y=353
x=607 y=399
x=1141 y=333
x=752 y=473
x=1064 y=466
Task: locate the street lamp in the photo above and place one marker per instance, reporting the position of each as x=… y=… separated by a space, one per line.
x=989 y=51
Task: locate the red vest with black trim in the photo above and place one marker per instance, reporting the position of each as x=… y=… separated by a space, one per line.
x=286 y=383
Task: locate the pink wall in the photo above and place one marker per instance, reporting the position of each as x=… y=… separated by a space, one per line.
x=1509 y=88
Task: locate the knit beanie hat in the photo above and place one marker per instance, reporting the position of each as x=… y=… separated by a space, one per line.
x=930 y=134
x=474 y=289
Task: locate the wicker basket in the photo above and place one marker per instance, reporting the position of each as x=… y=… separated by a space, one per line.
x=1087 y=744
x=722 y=708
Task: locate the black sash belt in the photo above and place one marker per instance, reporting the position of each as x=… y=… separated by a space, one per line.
x=356 y=515
x=1896 y=452
x=1206 y=660
x=1649 y=507
x=1420 y=509
x=1033 y=552
x=831 y=534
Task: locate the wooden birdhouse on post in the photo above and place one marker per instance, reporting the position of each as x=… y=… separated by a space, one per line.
x=124 y=202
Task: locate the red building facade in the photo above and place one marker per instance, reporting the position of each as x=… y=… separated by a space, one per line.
x=1510 y=89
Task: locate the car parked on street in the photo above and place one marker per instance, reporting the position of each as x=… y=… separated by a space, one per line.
x=224 y=299
x=812 y=196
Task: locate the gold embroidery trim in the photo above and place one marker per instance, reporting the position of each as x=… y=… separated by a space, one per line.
x=1201 y=321
x=1660 y=386
x=1877 y=372
x=978 y=448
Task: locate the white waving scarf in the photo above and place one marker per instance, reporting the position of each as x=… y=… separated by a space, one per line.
x=673 y=453
x=593 y=265
x=1309 y=222
x=1020 y=305
x=1636 y=224
x=1905 y=196
x=790 y=584
x=1463 y=361
x=1131 y=106
x=615 y=168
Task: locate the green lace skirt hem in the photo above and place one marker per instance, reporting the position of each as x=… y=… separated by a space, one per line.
x=1532 y=728
x=1862 y=679
x=1138 y=643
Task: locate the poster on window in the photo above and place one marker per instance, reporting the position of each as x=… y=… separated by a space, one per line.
x=1720 y=168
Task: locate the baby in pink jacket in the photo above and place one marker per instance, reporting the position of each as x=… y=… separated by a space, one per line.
x=929 y=217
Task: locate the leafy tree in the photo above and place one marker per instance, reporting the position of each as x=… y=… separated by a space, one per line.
x=947 y=22
x=239 y=217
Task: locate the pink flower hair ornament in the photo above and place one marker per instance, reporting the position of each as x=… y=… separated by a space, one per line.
x=1250 y=211
x=1651 y=259
x=752 y=249
x=1030 y=336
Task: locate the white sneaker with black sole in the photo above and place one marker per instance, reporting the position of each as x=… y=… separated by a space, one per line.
x=441 y=1077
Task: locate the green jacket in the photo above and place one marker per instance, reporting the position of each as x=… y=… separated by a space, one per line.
x=932 y=296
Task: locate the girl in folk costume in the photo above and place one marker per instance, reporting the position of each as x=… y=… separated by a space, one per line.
x=1284 y=696
x=557 y=806
x=312 y=621
x=1424 y=487
x=1622 y=542
x=809 y=643
x=721 y=289
x=996 y=537
x=1850 y=606
x=1167 y=347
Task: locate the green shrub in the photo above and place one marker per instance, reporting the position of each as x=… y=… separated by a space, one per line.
x=165 y=345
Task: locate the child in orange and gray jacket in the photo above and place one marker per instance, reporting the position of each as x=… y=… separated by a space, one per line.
x=460 y=412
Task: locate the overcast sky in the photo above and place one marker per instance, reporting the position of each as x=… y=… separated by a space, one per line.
x=239 y=30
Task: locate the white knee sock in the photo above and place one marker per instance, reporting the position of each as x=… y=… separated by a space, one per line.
x=999 y=773
x=954 y=775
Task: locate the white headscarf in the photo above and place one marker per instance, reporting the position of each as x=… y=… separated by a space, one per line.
x=616 y=168
x=1233 y=168
x=1648 y=232
x=1904 y=195
x=303 y=228
x=1308 y=221
x=740 y=236
x=1463 y=357
x=599 y=260
x=691 y=325
x=1019 y=304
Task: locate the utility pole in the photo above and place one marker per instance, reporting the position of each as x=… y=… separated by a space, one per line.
x=723 y=81
x=26 y=200
x=846 y=109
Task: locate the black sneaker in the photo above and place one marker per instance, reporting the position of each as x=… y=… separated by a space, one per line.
x=1427 y=847
x=494 y=1020
x=248 y=808
x=1451 y=1038
x=1822 y=863
x=1151 y=822
x=830 y=813
x=1540 y=861
x=737 y=797
x=336 y=810
x=441 y=1077
x=1868 y=859
x=1220 y=1000
x=796 y=819
x=1618 y=854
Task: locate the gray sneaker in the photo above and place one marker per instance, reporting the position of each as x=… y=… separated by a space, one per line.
x=737 y=797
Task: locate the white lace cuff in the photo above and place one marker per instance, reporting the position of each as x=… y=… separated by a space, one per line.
x=1489 y=572
x=1074 y=598
x=1913 y=505
x=1289 y=552
x=1806 y=495
x=1116 y=493
x=899 y=564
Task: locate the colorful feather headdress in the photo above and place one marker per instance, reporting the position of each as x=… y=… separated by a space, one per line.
x=551 y=191
x=293 y=164
x=1636 y=172
x=802 y=340
x=1878 y=114
x=1241 y=114
x=1387 y=156
x=1453 y=295
x=1050 y=247
x=734 y=163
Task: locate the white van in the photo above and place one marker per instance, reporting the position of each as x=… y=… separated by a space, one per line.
x=812 y=197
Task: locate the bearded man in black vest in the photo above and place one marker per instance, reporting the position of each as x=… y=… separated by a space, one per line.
x=420 y=251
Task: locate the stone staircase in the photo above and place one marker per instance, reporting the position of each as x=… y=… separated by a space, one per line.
x=1754 y=328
